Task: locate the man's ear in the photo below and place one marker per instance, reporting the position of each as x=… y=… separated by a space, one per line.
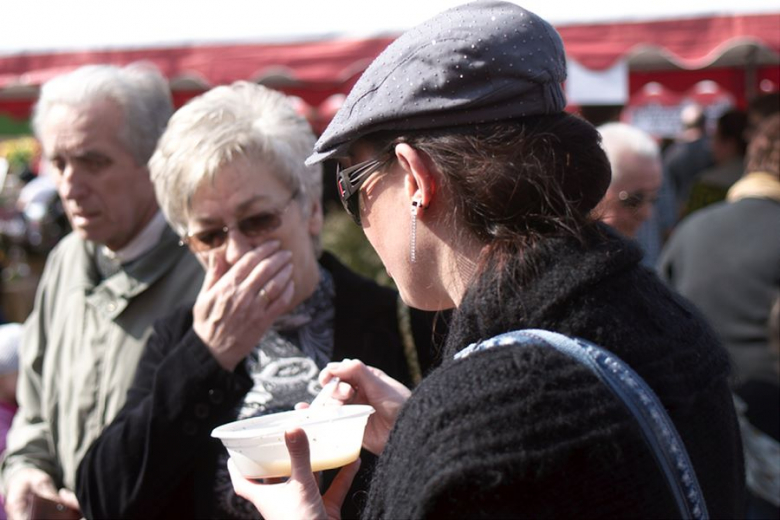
x=419 y=174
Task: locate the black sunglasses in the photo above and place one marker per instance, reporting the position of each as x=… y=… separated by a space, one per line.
x=253 y=226
x=351 y=179
x=636 y=200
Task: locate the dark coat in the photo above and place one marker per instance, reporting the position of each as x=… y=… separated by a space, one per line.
x=529 y=432
x=726 y=260
x=157 y=459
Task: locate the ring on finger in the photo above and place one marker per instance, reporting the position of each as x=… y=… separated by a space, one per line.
x=264 y=296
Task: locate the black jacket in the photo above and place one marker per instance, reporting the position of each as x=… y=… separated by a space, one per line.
x=157 y=459
x=528 y=432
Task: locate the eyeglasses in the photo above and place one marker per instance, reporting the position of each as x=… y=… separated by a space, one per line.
x=351 y=179
x=253 y=226
x=636 y=200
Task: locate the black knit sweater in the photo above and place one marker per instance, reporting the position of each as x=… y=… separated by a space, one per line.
x=528 y=432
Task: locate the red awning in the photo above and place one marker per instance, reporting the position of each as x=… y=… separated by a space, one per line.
x=317 y=70
x=314 y=64
x=693 y=43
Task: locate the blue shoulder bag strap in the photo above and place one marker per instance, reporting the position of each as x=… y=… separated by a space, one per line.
x=640 y=400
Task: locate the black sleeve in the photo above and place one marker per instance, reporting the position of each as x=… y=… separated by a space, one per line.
x=180 y=393
x=515 y=433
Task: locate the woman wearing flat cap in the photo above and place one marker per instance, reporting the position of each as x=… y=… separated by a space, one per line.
x=273 y=310
x=613 y=400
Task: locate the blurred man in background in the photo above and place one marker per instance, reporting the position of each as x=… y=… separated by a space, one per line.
x=688 y=156
x=728 y=152
x=103 y=285
x=636 y=177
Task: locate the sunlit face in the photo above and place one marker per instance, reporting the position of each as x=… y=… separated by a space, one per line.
x=630 y=198
x=243 y=190
x=107 y=196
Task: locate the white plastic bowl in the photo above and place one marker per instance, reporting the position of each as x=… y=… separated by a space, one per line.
x=257 y=446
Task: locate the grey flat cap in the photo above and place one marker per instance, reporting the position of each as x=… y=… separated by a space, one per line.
x=479 y=62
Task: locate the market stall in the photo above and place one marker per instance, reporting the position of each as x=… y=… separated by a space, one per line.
x=612 y=56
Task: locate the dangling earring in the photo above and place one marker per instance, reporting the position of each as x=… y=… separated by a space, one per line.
x=413 y=249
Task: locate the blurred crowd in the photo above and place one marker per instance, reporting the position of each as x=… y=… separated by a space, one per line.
x=186 y=284
x=705 y=211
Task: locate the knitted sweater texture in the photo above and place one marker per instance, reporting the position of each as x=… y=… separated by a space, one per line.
x=528 y=432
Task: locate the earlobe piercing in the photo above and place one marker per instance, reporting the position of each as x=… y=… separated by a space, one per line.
x=416 y=204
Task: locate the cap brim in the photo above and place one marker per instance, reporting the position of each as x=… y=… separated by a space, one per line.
x=338 y=151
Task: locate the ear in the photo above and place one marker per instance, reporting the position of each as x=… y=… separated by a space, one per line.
x=419 y=174
x=315 y=218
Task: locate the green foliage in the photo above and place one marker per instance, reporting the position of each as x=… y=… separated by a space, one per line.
x=344 y=239
x=19 y=152
x=11 y=127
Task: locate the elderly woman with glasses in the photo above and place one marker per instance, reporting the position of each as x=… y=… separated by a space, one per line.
x=273 y=310
x=476 y=189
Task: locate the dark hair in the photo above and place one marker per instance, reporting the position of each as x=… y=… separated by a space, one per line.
x=763 y=153
x=731 y=126
x=517 y=181
x=765 y=105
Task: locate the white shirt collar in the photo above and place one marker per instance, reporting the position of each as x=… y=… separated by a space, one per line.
x=143 y=241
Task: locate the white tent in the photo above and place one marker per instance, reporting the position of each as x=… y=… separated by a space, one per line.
x=53 y=25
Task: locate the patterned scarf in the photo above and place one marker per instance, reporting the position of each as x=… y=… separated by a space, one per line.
x=284 y=368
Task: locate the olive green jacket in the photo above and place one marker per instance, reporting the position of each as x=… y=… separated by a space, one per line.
x=81 y=346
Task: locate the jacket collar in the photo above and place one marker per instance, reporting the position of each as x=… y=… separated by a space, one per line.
x=134 y=278
x=555 y=272
x=757 y=185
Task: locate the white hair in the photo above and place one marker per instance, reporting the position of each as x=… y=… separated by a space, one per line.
x=139 y=89
x=620 y=138
x=239 y=120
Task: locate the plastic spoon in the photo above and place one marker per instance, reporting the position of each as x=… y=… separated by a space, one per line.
x=326 y=393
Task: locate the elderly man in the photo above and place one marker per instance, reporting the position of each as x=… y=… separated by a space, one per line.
x=103 y=285
x=636 y=177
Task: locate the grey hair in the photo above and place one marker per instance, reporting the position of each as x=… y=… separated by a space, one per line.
x=618 y=138
x=139 y=89
x=228 y=122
